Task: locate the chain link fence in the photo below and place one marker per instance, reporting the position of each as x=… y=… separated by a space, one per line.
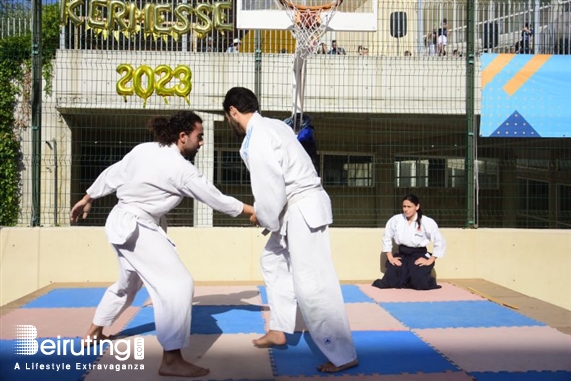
x=393 y=115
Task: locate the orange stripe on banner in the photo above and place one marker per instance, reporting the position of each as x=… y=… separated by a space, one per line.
x=495 y=67
x=526 y=72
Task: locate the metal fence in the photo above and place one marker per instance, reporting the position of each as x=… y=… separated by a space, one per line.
x=392 y=116
x=14 y=26
x=413 y=26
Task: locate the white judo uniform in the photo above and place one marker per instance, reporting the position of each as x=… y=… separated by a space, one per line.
x=403 y=233
x=296 y=262
x=150 y=181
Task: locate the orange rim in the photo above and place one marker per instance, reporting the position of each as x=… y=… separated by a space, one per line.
x=311 y=8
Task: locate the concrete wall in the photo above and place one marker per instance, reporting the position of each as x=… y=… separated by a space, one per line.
x=86 y=79
x=534 y=262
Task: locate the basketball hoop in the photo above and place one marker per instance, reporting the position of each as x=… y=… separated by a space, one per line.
x=309 y=24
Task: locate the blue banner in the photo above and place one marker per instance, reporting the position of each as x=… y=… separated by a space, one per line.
x=526 y=96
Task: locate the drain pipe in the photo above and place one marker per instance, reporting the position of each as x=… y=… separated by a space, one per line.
x=53 y=146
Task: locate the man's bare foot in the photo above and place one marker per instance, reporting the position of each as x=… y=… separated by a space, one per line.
x=328 y=367
x=185 y=369
x=174 y=364
x=270 y=339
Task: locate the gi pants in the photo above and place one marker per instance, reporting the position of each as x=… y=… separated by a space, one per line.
x=300 y=271
x=148 y=257
x=408 y=275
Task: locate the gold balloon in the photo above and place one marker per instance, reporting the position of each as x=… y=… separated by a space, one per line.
x=184 y=88
x=220 y=16
x=126 y=72
x=144 y=93
x=182 y=24
x=201 y=11
x=73 y=17
x=147 y=16
x=165 y=74
x=63 y=12
x=94 y=19
x=134 y=15
x=116 y=14
x=159 y=19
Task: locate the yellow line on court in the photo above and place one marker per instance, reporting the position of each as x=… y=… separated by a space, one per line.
x=526 y=72
x=495 y=67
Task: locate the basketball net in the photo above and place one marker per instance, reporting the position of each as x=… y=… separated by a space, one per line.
x=309 y=25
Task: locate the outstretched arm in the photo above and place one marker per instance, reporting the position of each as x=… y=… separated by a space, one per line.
x=82 y=207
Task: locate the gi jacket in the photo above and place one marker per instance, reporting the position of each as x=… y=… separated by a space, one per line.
x=282 y=176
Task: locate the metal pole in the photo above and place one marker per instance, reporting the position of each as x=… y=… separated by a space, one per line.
x=420 y=26
x=537 y=28
x=470 y=114
x=53 y=146
x=258 y=66
x=36 y=109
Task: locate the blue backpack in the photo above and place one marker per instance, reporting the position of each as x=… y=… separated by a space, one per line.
x=306 y=136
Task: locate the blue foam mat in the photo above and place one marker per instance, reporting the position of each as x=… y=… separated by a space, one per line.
x=227 y=319
x=379 y=352
x=461 y=314
x=206 y=320
x=78 y=298
x=521 y=376
x=353 y=294
x=28 y=363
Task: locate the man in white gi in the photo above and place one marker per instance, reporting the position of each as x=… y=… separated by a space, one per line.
x=296 y=262
x=149 y=181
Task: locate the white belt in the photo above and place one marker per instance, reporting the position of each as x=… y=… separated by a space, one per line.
x=299 y=196
x=292 y=201
x=138 y=212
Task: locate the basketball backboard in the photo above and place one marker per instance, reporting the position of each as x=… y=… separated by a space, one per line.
x=352 y=15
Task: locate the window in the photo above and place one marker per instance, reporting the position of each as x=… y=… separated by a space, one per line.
x=534 y=204
x=411 y=173
x=230 y=169
x=456 y=173
x=564 y=206
x=488 y=173
x=441 y=172
x=564 y=165
x=348 y=170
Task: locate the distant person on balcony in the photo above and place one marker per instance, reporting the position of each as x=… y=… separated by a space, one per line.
x=336 y=50
x=526 y=34
x=411 y=266
x=443 y=38
x=430 y=42
x=322 y=48
x=149 y=181
x=235 y=47
x=362 y=50
x=208 y=46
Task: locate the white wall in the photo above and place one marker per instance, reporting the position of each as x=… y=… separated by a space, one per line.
x=534 y=262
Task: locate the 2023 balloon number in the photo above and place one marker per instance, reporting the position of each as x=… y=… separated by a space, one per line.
x=157 y=81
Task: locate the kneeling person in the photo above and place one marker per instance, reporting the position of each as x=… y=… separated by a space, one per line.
x=411 y=266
